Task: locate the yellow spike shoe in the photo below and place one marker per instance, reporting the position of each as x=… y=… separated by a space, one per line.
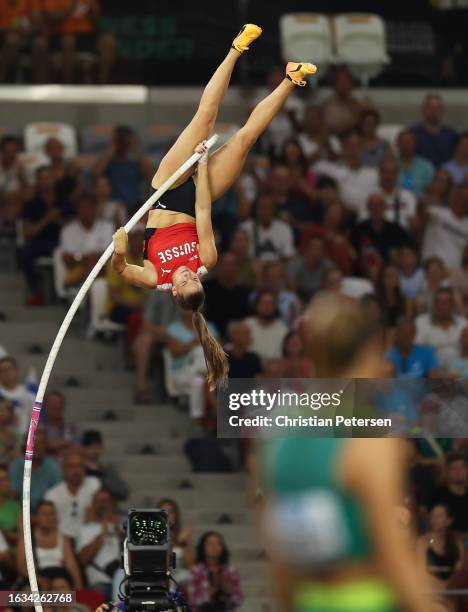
x=246 y=36
x=297 y=71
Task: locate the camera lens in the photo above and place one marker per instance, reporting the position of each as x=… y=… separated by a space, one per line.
x=148 y=529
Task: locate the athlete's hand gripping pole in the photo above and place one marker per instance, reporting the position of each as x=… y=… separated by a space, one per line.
x=36 y=411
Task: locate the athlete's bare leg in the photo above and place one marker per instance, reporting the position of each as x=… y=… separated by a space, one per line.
x=227 y=162
x=202 y=123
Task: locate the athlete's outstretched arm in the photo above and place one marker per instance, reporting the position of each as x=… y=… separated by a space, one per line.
x=206 y=241
x=145 y=276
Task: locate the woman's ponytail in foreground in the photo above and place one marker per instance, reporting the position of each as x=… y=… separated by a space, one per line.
x=215 y=357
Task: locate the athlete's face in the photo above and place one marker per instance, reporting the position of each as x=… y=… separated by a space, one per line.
x=185 y=282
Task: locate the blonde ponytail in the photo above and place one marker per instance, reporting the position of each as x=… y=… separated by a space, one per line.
x=215 y=357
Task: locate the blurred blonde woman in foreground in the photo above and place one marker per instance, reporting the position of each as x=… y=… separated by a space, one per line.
x=332 y=534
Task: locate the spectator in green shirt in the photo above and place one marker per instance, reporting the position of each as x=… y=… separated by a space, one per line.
x=9 y=509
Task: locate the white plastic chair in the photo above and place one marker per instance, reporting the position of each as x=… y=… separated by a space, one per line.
x=308 y=37
x=36 y=135
x=361 y=44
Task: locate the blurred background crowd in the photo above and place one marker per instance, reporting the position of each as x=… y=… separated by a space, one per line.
x=330 y=200
x=110 y=41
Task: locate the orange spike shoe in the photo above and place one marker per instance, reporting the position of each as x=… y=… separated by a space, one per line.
x=296 y=72
x=246 y=36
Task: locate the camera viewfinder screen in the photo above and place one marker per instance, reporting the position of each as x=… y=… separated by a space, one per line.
x=148 y=529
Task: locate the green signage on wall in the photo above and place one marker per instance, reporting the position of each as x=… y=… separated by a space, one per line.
x=141 y=37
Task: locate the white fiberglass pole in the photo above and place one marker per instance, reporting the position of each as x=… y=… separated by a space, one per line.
x=36 y=411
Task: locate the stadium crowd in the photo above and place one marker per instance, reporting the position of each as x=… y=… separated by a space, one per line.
x=324 y=204
x=44 y=41
x=77 y=521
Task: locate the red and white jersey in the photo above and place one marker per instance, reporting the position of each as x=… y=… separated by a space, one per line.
x=169 y=248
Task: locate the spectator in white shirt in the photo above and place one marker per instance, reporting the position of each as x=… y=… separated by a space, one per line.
x=17 y=393
x=83 y=240
x=270 y=238
x=3 y=352
x=266 y=327
x=446 y=232
x=442 y=329
x=53 y=553
x=73 y=497
x=356 y=181
x=98 y=544
x=401 y=203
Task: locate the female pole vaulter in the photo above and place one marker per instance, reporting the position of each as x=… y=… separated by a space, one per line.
x=179 y=240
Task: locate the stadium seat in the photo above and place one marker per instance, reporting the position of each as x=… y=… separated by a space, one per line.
x=95 y=138
x=306 y=36
x=361 y=44
x=389 y=132
x=36 y=134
